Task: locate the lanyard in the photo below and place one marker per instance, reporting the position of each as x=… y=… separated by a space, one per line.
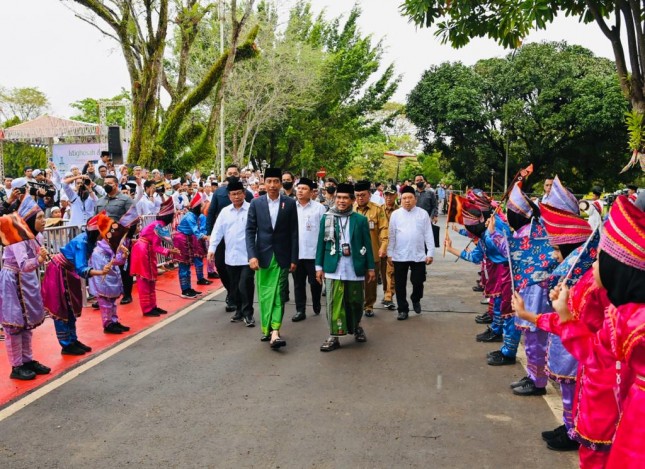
x=343 y=226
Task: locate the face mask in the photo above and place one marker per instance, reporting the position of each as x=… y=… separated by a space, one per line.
x=421 y=185
x=169 y=192
x=331 y=190
x=108 y=188
x=261 y=193
x=287 y=185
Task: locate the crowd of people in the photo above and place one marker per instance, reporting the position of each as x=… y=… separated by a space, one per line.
x=343 y=240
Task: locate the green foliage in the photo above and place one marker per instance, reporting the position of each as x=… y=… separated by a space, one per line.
x=24 y=103
x=88 y=110
x=634 y=121
x=550 y=104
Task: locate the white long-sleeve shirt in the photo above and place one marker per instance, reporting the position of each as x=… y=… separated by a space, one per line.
x=231 y=226
x=410 y=235
x=309 y=217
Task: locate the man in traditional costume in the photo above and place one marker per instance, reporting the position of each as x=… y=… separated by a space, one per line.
x=21 y=304
x=410 y=248
x=272 y=249
x=344 y=259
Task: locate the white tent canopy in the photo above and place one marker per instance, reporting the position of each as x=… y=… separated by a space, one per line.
x=49 y=127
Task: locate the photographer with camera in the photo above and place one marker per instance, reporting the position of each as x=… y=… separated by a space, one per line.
x=18 y=192
x=82 y=194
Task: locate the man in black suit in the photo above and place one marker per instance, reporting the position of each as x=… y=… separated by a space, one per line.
x=272 y=247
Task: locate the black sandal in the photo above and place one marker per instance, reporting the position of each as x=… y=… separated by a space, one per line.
x=332 y=343
x=277 y=343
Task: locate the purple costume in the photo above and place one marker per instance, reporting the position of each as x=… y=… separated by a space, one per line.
x=109 y=287
x=21 y=306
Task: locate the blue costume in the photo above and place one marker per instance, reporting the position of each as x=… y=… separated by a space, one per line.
x=188 y=239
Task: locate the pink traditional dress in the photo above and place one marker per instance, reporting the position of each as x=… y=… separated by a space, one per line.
x=144 y=264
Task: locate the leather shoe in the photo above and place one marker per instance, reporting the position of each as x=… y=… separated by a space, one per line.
x=112 y=328
x=230 y=308
x=72 y=349
x=416 y=307
x=500 y=360
x=159 y=310
x=369 y=313
x=478 y=288
x=299 y=316
x=126 y=300
x=21 y=373
x=330 y=344
x=37 y=367
x=520 y=382
x=203 y=281
x=122 y=327
x=402 y=316
x=213 y=275
x=484 y=319
x=317 y=310
x=359 y=335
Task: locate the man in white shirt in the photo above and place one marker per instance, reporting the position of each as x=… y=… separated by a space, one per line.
x=150 y=203
x=230 y=226
x=378 y=196
x=411 y=247
x=310 y=213
x=82 y=196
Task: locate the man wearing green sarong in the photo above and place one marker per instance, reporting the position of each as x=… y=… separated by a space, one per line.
x=272 y=249
x=344 y=258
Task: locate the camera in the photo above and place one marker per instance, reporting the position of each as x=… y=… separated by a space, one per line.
x=87 y=181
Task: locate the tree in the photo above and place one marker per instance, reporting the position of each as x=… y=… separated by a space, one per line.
x=23 y=103
x=89 y=110
x=508 y=22
x=142 y=29
x=553 y=105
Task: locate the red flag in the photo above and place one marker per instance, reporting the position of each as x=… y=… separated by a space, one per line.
x=13 y=229
x=455 y=209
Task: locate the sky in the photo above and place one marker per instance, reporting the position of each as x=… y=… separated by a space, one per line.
x=70 y=60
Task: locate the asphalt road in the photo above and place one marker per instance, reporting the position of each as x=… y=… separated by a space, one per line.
x=203 y=392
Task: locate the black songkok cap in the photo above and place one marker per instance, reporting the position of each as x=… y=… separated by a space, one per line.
x=273 y=173
x=307 y=182
x=362 y=186
x=345 y=188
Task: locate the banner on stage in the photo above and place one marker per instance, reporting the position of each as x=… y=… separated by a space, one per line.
x=67 y=154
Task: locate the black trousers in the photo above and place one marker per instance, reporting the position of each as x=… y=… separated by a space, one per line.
x=126 y=279
x=242 y=281
x=220 y=264
x=306 y=270
x=417 y=277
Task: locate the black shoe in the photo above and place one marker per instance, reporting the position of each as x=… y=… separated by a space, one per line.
x=197 y=293
x=494 y=353
x=22 y=373
x=37 y=367
x=403 y=315
x=95 y=305
x=249 y=322
x=277 y=343
x=379 y=281
x=152 y=314
x=416 y=307
x=529 y=389
x=81 y=345
x=122 y=327
x=359 y=335
x=518 y=383
x=484 y=319
x=299 y=316
x=203 y=281
x=369 y=313
x=389 y=305
x=189 y=294
x=112 y=328
x=72 y=349
x=317 y=310
x=330 y=344
x=159 y=310
x=230 y=308
x=551 y=434
x=126 y=300
x=500 y=360
x=489 y=336
x=562 y=442
x=265 y=338
x=213 y=275
x=236 y=318
x=478 y=288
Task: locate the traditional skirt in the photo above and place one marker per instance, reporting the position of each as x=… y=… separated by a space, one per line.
x=499 y=279
x=189 y=247
x=344 y=306
x=21 y=305
x=561 y=366
x=62 y=289
x=144 y=260
x=272 y=283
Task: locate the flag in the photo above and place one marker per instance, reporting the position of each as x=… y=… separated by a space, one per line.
x=164 y=233
x=523 y=174
x=532 y=259
x=455 y=207
x=576 y=263
x=13 y=229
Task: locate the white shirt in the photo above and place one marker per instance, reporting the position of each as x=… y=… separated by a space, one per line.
x=231 y=225
x=345 y=268
x=274 y=207
x=309 y=227
x=377 y=198
x=80 y=210
x=410 y=235
x=146 y=206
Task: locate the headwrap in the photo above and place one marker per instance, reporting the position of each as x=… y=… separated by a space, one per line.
x=197 y=200
x=562 y=199
x=273 y=173
x=564 y=227
x=623 y=236
x=167 y=208
x=479 y=199
x=520 y=209
x=473 y=219
x=28 y=208
x=624 y=283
